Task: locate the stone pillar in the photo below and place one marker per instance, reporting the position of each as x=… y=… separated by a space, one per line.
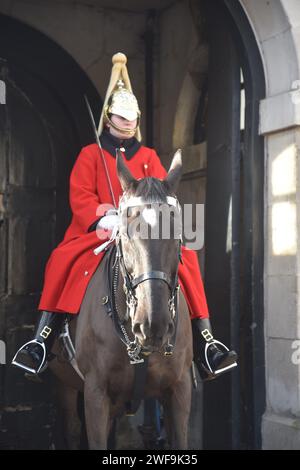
x=276 y=26
x=280 y=121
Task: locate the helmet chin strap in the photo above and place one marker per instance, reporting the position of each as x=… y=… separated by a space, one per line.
x=130 y=132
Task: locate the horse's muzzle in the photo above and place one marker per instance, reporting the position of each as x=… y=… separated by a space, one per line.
x=153 y=339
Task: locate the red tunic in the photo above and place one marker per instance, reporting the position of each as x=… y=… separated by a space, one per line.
x=73 y=263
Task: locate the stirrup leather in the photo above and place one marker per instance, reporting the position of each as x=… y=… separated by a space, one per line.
x=207 y=363
x=43 y=363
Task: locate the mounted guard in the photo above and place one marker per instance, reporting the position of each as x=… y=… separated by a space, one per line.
x=95 y=191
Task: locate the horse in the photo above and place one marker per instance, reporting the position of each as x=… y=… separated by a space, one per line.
x=145 y=318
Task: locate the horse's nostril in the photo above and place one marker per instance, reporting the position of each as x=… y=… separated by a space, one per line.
x=137 y=330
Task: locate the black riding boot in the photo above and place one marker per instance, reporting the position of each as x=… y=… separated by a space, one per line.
x=211 y=357
x=32 y=356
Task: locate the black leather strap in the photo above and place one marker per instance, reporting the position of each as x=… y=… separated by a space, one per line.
x=140 y=370
x=139 y=382
x=151 y=275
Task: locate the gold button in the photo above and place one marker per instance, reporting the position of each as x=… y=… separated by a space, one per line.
x=86 y=273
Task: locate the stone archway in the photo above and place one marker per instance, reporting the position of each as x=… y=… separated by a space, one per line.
x=276 y=27
x=221 y=157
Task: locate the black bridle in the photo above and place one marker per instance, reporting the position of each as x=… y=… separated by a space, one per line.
x=131 y=283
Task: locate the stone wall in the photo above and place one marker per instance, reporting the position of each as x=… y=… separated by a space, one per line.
x=277 y=27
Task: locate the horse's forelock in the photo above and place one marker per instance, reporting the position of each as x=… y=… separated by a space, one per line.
x=151 y=190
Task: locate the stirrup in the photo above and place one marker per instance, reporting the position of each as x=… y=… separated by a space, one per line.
x=223 y=369
x=42 y=365
x=207 y=371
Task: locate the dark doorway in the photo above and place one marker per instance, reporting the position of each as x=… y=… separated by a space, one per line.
x=43 y=125
x=233 y=404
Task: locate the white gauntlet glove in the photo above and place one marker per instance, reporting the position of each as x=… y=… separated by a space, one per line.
x=109 y=220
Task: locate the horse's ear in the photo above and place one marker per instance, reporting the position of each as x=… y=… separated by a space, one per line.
x=125 y=177
x=175 y=171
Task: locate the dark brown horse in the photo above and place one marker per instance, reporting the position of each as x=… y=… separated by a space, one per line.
x=143 y=309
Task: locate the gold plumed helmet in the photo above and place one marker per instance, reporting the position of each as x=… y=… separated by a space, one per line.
x=119 y=98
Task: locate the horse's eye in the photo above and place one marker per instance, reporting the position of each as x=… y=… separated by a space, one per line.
x=129 y=212
x=133 y=213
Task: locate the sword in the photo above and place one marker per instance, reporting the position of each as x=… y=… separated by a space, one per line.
x=101 y=150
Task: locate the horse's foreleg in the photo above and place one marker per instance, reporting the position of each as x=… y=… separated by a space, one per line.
x=97 y=408
x=68 y=397
x=177 y=404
